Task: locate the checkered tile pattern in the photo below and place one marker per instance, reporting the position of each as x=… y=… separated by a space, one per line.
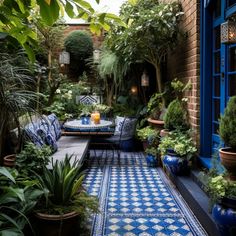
x=137 y=200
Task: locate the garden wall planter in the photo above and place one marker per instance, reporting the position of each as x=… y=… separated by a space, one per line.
x=177 y=165
x=57 y=225
x=225 y=217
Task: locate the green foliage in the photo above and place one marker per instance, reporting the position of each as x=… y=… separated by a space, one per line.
x=17 y=95
x=80 y=46
x=153 y=30
x=16 y=18
x=64 y=105
x=17 y=200
x=32 y=159
x=152 y=150
x=123 y=110
x=146 y=133
x=227 y=128
x=176 y=116
x=217 y=186
x=180 y=142
x=63 y=191
x=155 y=106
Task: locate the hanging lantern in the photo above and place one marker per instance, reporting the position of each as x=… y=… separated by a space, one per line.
x=64 y=58
x=228 y=32
x=134 y=90
x=96 y=55
x=144 y=79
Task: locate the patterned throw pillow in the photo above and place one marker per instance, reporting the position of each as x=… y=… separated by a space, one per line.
x=48 y=139
x=125 y=125
x=55 y=124
x=30 y=132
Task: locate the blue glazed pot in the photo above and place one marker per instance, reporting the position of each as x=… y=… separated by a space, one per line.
x=151 y=160
x=177 y=165
x=225 y=218
x=85 y=120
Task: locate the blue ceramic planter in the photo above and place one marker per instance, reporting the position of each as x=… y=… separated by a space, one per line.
x=225 y=218
x=151 y=160
x=177 y=165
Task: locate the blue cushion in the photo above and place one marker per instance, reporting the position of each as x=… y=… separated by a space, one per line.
x=30 y=132
x=48 y=139
x=125 y=125
x=56 y=125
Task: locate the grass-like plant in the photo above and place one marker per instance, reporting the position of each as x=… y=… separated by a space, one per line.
x=63 y=189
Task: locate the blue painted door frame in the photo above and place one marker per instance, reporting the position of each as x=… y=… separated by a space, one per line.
x=214 y=72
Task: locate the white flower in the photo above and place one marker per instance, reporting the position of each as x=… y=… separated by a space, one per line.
x=58 y=91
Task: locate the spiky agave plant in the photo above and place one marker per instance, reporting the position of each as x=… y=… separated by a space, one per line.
x=17 y=95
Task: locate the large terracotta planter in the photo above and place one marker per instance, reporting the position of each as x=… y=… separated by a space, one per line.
x=9 y=160
x=57 y=225
x=228 y=160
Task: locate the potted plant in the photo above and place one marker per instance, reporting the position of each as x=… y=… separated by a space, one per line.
x=152 y=156
x=222 y=194
x=64 y=202
x=227 y=132
x=177 y=149
x=146 y=134
x=156 y=110
x=85 y=113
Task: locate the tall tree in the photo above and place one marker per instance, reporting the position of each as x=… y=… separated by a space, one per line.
x=153 y=30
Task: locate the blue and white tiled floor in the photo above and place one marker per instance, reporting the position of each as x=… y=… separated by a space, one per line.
x=137 y=200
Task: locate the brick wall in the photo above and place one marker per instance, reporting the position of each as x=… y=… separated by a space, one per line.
x=97 y=40
x=185 y=62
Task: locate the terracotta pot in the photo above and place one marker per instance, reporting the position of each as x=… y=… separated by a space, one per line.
x=164 y=132
x=57 y=225
x=157 y=124
x=228 y=160
x=9 y=160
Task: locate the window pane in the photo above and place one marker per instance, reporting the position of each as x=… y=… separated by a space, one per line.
x=217 y=86
x=216 y=128
x=217 y=37
x=217 y=8
x=217 y=62
x=216 y=109
x=231 y=2
x=232 y=59
x=232 y=85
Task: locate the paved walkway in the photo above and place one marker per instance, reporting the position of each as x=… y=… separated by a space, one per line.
x=137 y=200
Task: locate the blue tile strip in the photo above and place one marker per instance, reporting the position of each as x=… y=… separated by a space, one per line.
x=138 y=200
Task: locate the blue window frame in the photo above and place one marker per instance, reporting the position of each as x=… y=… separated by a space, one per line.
x=218 y=72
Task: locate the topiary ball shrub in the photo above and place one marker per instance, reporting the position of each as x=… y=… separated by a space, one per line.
x=176 y=116
x=79 y=44
x=227 y=127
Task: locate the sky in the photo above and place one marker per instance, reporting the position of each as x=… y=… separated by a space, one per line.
x=112 y=6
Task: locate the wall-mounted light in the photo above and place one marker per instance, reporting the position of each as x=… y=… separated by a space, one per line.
x=228 y=31
x=64 y=58
x=144 y=79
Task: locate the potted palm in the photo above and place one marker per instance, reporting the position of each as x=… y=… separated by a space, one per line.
x=227 y=132
x=65 y=202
